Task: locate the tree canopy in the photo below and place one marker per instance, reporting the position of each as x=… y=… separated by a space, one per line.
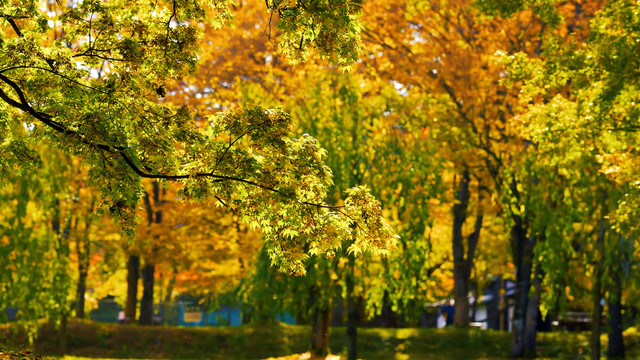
x=89 y=78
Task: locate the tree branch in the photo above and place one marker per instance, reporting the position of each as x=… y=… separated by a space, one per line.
x=13 y=25
x=120 y=150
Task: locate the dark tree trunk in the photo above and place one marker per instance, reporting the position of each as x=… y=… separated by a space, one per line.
x=533 y=310
x=461 y=306
x=168 y=295
x=477 y=295
x=616 y=341
x=63 y=251
x=146 y=305
x=80 y=291
x=493 y=308
x=522 y=247
x=62 y=335
x=320 y=336
x=319 y=327
x=148 y=271
x=462 y=265
x=133 y=274
x=83 y=250
x=352 y=313
x=596 y=316
x=595 y=322
x=460 y=281
x=389 y=318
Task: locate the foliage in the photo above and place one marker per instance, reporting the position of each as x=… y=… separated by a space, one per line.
x=34 y=226
x=584 y=129
x=89 y=76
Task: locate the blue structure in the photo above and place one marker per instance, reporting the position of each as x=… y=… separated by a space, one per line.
x=194 y=315
x=188 y=313
x=227 y=315
x=108 y=310
x=183 y=313
x=11 y=314
x=286 y=318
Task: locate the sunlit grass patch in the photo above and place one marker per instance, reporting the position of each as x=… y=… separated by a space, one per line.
x=97 y=341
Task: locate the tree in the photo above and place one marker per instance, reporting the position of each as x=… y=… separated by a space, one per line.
x=373 y=136
x=445 y=51
x=593 y=100
x=200 y=249
x=448 y=51
x=35 y=224
x=49 y=73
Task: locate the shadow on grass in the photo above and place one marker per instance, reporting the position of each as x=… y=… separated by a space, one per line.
x=114 y=341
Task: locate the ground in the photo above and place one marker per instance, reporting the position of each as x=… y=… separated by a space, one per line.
x=88 y=340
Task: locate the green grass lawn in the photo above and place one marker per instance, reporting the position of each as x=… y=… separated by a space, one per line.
x=88 y=340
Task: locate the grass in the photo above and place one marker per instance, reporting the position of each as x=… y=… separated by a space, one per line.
x=89 y=340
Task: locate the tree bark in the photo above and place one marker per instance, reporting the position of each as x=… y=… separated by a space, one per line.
x=477 y=295
x=389 y=318
x=83 y=249
x=62 y=251
x=596 y=328
x=533 y=309
x=80 y=291
x=522 y=247
x=595 y=320
x=462 y=265
x=62 y=335
x=493 y=308
x=148 y=271
x=320 y=326
x=146 y=304
x=133 y=274
x=616 y=341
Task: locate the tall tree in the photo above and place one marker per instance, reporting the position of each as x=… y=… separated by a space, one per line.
x=48 y=67
x=35 y=223
x=593 y=100
x=447 y=50
x=374 y=136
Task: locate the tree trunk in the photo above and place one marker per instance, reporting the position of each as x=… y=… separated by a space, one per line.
x=168 y=295
x=62 y=251
x=493 y=308
x=352 y=313
x=522 y=247
x=133 y=274
x=146 y=304
x=477 y=296
x=595 y=319
x=320 y=335
x=596 y=316
x=320 y=326
x=503 y=306
x=462 y=265
x=460 y=281
x=616 y=341
x=83 y=250
x=62 y=335
x=80 y=291
x=389 y=318
x=533 y=309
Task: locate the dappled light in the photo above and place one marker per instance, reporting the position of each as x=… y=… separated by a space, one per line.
x=319 y=179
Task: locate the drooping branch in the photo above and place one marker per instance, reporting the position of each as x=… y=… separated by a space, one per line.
x=122 y=151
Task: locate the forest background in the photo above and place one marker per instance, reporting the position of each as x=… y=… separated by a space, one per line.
x=476 y=139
